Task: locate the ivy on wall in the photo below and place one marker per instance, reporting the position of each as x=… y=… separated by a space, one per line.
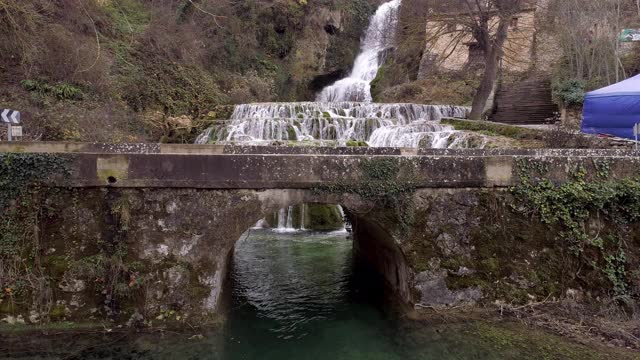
x=384 y=183
x=591 y=213
x=23 y=179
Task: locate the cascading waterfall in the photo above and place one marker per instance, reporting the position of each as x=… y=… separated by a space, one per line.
x=344 y=111
x=290 y=218
x=379 y=37
x=285 y=220
x=344 y=223
x=333 y=123
x=282 y=219
x=303 y=210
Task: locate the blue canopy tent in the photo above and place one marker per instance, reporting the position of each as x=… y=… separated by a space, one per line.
x=613 y=110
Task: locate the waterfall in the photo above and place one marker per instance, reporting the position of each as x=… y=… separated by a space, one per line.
x=285 y=220
x=282 y=219
x=344 y=112
x=303 y=210
x=379 y=37
x=290 y=218
x=344 y=223
x=411 y=135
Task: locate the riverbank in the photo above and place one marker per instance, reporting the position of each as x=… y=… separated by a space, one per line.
x=606 y=329
x=446 y=335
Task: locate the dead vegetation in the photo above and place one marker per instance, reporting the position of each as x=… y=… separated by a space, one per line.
x=607 y=322
x=133 y=57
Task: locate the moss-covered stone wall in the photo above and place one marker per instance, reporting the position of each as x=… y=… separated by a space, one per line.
x=161 y=254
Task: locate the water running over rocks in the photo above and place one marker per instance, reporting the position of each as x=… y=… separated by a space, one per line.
x=337 y=123
x=378 y=38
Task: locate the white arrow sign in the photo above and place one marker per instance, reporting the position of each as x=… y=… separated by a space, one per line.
x=10 y=116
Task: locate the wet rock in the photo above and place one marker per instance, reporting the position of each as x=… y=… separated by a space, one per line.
x=434 y=292
x=14 y=320
x=136 y=320
x=34 y=317
x=72 y=285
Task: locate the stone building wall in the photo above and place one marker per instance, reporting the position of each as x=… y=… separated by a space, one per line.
x=451 y=52
x=529 y=46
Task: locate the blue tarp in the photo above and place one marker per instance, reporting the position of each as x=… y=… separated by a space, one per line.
x=613 y=110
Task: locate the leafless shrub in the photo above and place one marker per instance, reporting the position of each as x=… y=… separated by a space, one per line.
x=562 y=137
x=180 y=42
x=250 y=88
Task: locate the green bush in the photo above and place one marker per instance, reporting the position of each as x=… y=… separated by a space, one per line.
x=61 y=91
x=569 y=92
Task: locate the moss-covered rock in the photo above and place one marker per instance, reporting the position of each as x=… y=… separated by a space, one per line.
x=357 y=143
x=322 y=217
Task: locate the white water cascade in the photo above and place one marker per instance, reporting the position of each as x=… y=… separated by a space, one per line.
x=378 y=38
x=282 y=219
x=285 y=220
x=303 y=211
x=344 y=218
x=290 y=218
x=336 y=124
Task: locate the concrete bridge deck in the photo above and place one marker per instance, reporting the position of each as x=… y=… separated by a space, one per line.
x=288 y=167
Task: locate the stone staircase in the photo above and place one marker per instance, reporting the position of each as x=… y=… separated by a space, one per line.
x=525 y=102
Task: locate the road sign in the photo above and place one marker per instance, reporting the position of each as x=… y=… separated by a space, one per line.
x=9 y=116
x=16 y=131
x=629 y=35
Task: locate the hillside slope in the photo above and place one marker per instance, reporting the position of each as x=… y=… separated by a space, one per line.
x=150 y=70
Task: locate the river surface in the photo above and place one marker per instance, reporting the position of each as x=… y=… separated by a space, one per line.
x=300 y=296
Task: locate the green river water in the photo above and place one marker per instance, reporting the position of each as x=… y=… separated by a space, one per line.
x=300 y=296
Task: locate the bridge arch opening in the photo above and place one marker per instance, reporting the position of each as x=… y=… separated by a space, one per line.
x=292 y=273
x=304 y=216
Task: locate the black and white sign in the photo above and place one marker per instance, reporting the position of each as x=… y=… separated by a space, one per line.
x=16 y=131
x=9 y=116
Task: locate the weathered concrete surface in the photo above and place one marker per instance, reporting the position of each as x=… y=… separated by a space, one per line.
x=148 y=148
x=179 y=215
x=220 y=167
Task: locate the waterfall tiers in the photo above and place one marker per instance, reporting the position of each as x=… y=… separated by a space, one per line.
x=379 y=125
x=344 y=113
x=379 y=37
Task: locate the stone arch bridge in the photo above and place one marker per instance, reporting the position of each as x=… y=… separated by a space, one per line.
x=423 y=218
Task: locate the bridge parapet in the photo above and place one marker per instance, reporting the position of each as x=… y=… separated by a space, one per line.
x=259 y=167
x=229 y=149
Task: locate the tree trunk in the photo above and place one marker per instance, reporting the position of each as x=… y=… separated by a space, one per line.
x=490 y=75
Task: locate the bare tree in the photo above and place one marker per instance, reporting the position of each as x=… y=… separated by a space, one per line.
x=487 y=22
x=588 y=34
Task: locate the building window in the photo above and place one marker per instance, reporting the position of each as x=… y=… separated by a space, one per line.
x=514 y=22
